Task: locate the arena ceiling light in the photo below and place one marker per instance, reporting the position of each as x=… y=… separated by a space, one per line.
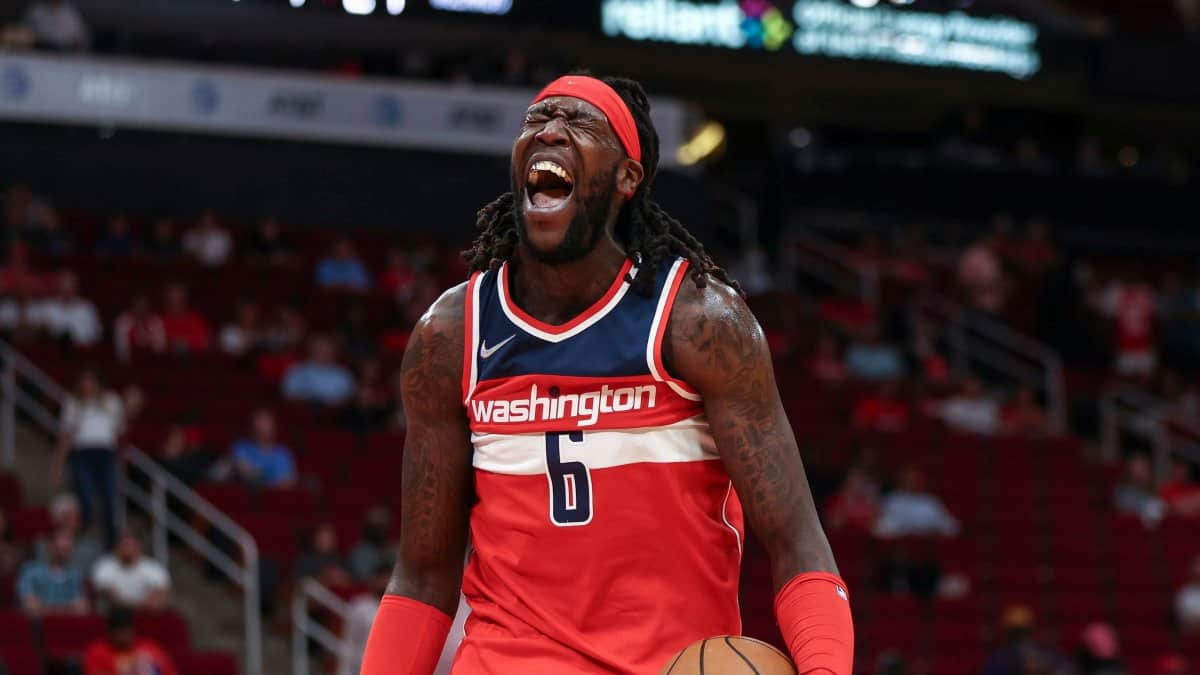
x=707 y=140
x=359 y=7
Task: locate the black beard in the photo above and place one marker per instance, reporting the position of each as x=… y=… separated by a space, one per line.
x=583 y=232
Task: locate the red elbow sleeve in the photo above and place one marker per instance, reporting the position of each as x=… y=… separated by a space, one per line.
x=813 y=610
x=406 y=638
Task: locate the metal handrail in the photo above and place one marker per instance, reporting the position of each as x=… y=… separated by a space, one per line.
x=310 y=591
x=163 y=487
x=1142 y=414
x=979 y=338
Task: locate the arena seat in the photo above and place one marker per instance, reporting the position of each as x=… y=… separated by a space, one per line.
x=206 y=663
x=67 y=636
x=167 y=628
x=21 y=659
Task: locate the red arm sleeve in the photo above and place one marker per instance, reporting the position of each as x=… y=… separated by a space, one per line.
x=406 y=638
x=813 y=610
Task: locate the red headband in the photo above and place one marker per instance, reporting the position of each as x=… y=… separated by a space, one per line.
x=606 y=99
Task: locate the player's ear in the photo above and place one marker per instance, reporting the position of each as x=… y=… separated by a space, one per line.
x=629 y=176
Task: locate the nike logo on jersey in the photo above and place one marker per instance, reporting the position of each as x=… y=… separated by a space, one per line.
x=486 y=353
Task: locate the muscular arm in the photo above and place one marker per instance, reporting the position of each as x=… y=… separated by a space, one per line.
x=437 y=460
x=715 y=344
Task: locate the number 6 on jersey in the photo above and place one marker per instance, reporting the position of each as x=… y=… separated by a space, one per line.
x=570 y=483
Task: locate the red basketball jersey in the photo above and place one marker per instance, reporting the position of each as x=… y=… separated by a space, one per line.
x=607 y=535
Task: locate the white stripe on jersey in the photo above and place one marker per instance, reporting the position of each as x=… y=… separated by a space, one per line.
x=557 y=337
x=525 y=454
x=658 y=319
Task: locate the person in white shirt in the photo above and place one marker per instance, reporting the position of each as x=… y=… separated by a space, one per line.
x=243 y=335
x=129 y=578
x=207 y=242
x=93 y=420
x=67 y=316
x=971 y=410
x=1187 y=603
x=57 y=24
x=910 y=511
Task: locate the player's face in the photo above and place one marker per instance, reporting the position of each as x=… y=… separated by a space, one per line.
x=565 y=166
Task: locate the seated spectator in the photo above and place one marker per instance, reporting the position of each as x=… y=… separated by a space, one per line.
x=856 y=505
x=1180 y=492
x=285 y=330
x=1024 y=417
x=1131 y=305
x=52 y=586
x=374 y=549
x=118 y=240
x=187 y=330
x=129 y=578
x=122 y=652
x=1187 y=603
x=971 y=410
x=68 y=317
x=868 y=358
x=321 y=560
x=12 y=554
x=1099 y=651
x=1136 y=494
x=244 y=334
x=268 y=246
x=93 y=420
x=184 y=452
x=398 y=278
x=261 y=460
x=23 y=210
x=207 y=242
x=47 y=237
x=981 y=276
x=883 y=411
x=320 y=379
x=826 y=364
x=18 y=277
x=65 y=518
x=910 y=511
x=139 y=328
x=372 y=405
x=1022 y=654
x=343 y=270
x=163 y=245
x=57 y=25
x=359 y=618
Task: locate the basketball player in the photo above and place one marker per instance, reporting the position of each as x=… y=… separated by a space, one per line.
x=597 y=406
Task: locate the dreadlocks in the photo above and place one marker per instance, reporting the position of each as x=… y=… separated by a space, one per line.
x=643 y=227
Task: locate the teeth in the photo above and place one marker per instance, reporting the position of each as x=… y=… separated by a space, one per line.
x=552 y=167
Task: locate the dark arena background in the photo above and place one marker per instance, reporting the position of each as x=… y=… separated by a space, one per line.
x=968 y=228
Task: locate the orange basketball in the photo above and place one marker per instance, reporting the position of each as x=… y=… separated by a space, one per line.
x=729 y=655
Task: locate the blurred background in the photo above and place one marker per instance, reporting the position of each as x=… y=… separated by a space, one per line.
x=967 y=226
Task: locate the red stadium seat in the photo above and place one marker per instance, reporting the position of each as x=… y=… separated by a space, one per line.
x=206 y=663
x=68 y=636
x=167 y=628
x=14 y=628
x=30 y=523
x=21 y=659
x=10 y=492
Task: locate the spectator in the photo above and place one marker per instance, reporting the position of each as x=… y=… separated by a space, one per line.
x=57 y=25
x=870 y=359
x=1099 y=651
x=826 y=364
x=208 y=243
x=372 y=405
x=398 y=278
x=971 y=410
x=19 y=277
x=118 y=240
x=184 y=452
x=93 y=420
x=243 y=335
x=268 y=246
x=343 y=270
x=321 y=560
x=1021 y=654
x=285 y=331
x=12 y=554
x=68 y=317
x=52 y=586
x=1187 y=603
x=884 y=411
x=856 y=505
x=1024 y=417
x=65 y=518
x=122 y=652
x=320 y=379
x=1180 y=492
x=1035 y=253
x=138 y=329
x=374 y=549
x=163 y=245
x=186 y=329
x=47 y=237
x=359 y=618
x=981 y=276
x=261 y=460
x=910 y=511
x=23 y=210
x=1136 y=494
x=1131 y=305
x=357 y=338
x=127 y=577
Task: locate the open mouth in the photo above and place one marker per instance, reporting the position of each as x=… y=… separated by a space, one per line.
x=548 y=185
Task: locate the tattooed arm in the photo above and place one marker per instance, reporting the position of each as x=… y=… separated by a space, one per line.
x=715 y=344
x=436 y=482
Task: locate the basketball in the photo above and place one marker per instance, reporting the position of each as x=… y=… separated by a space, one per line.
x=729 y=655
